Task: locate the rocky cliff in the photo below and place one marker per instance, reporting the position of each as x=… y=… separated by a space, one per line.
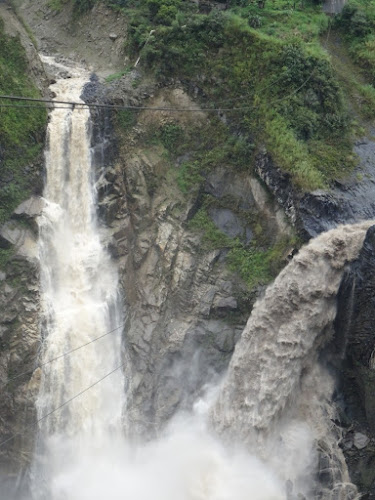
x=185 y=309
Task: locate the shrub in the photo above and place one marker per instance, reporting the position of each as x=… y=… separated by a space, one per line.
x=82 y=6
x=125 y=119
x=170 y=135
x=189 y=176
x=163 y=11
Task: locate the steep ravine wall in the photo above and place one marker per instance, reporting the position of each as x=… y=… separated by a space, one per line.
x=19 y=334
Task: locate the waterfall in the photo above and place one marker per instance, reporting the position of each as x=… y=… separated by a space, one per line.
x=80 y=302
x=275 y=386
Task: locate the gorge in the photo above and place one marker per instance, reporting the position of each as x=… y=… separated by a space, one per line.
x=176 y=325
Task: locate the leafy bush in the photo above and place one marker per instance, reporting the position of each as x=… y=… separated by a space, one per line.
x=355 y=21
x=181 y=47
x=163 y=11
x=189 y=176
x=125 y=119
x=170 y=135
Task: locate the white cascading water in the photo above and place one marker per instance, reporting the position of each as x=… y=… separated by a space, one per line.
x=81 y=453
x=80 y=302
x=275 y=384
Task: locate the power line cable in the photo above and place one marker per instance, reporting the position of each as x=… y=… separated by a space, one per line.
x=52 y=103
x=34 y=106
x=2 y=443
x=116 y=106
x=63 y=355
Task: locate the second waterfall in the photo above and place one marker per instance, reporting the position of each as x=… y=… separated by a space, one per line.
x=80 y=303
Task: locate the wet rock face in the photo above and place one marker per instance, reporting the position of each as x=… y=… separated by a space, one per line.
x=355 y=342
x=183 y=307
x=19 y=344
x=19 y=329
x=178 y=298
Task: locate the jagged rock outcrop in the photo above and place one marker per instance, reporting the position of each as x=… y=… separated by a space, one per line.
x=347 y=201
x=19 y=345
x=179 y=298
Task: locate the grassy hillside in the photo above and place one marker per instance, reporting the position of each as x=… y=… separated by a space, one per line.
x=266 y=58
x=357 y=23
x=268 y=62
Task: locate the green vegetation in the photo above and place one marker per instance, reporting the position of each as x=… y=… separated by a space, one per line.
x=5 y=255
x=205 y=147
x=257 y=263
x=21 y=130
x=81 y=6
x=125 y=119
x=357 y=23
x=259 y=266
x=189 y=176
x=56 y=5
x=212 y=237
x=170 y=135
x=267 y=61
x=117 y=76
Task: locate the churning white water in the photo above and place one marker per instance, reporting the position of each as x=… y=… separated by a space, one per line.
x=80 y=303
x=81 y=453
